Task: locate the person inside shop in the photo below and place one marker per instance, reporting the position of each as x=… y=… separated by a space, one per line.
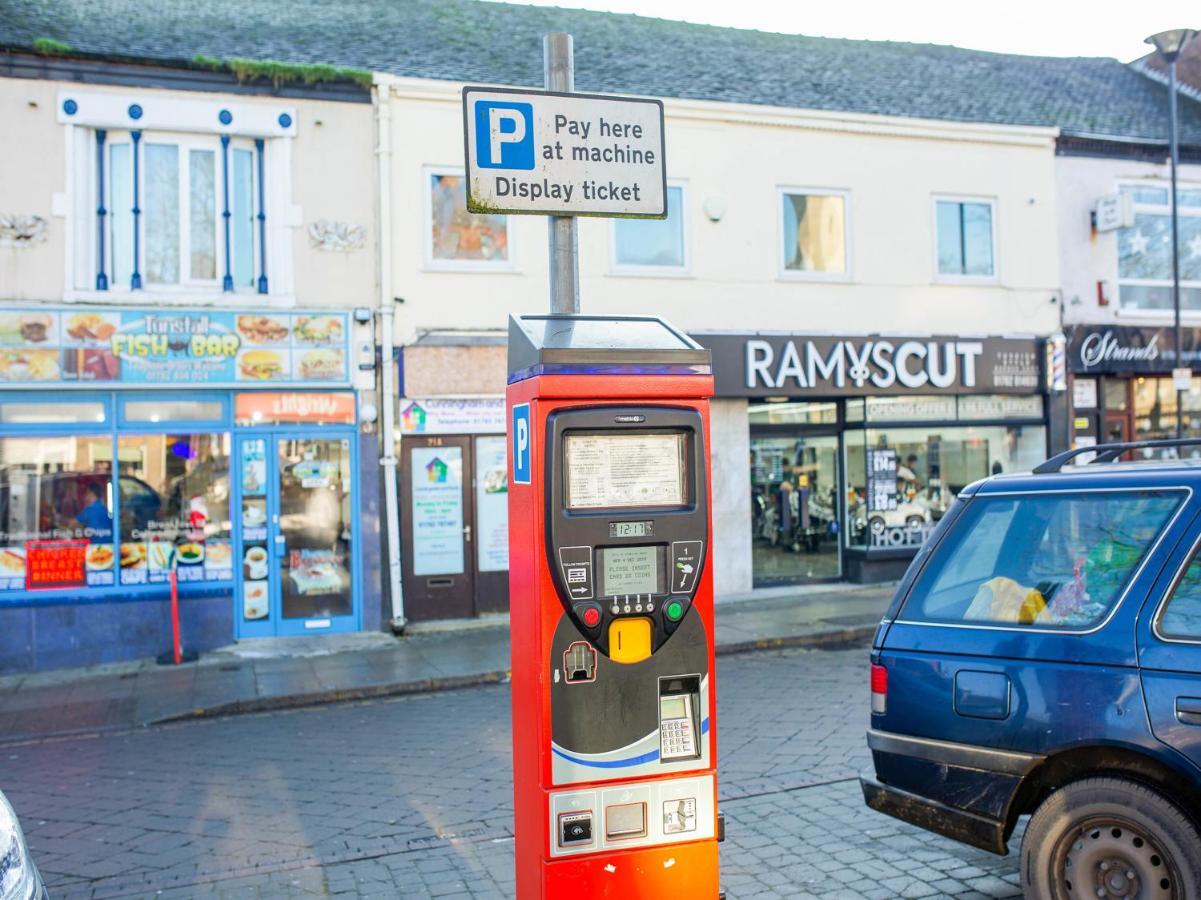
x=907 y=483
x=95 y=517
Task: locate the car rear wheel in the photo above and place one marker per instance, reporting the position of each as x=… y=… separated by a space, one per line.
x=1110 y=838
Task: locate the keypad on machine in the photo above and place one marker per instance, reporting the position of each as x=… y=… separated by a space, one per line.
x=676 y=737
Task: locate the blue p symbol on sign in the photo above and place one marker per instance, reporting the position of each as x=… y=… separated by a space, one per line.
x=504 y=135
x=520 y=429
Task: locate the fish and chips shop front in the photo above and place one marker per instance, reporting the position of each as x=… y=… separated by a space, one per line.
x=217 y=445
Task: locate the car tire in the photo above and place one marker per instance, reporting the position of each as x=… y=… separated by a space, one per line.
x=913 y=523
x=1114 y=834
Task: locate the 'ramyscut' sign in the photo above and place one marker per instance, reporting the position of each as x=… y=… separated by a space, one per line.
x=548 y=153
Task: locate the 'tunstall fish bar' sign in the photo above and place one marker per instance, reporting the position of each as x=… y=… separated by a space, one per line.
x=48 y=347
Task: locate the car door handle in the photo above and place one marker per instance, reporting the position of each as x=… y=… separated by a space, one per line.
x=1188 y=710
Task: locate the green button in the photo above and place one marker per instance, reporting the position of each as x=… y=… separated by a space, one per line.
x=675 y=609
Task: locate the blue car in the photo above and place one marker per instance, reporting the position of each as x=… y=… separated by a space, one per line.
x=1042 y=658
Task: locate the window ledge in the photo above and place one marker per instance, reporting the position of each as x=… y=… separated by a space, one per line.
x=471 y=267
x=991 y=280
x=182 y=299
x=649 y=272
x=815 y=277
x=1156 y=316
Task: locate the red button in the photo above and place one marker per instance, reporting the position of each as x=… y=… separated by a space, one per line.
x=591 y=617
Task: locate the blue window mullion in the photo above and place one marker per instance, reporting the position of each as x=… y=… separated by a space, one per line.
x=227 y=284
x=262 y=217
x=135 y=280
x=101 y=212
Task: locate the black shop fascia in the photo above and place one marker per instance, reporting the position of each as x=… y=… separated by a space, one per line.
x=1121 y=382
x=859 y=443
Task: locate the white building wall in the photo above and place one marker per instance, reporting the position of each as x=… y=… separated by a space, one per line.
x=738 y=157
x=1087 y=258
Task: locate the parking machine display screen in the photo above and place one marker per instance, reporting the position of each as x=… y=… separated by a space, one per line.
x=630 y=570
x=630 y=469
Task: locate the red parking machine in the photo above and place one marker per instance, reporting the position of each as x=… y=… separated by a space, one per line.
x=614 y=734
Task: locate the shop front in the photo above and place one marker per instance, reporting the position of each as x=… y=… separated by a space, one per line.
x=454 y=502
x=858 y=444
x=1122 y=387
x=136 y=446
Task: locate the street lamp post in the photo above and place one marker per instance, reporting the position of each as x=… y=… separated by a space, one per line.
x=1169 y=44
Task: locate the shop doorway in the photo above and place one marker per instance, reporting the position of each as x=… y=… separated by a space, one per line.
x=795 y=508
x=296 y=501
x=454 y=526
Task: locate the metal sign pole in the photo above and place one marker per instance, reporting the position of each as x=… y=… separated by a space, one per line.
x=558 y=63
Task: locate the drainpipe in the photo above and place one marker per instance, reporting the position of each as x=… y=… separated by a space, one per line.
x=387 y=311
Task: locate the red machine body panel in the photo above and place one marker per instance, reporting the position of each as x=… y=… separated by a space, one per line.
x=593 y=820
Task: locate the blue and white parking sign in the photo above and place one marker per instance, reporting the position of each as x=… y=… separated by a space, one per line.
x=547 y=153
x=519 y=430
x=504 y=135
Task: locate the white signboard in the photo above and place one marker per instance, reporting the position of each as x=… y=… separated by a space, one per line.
x=436 y=519
x=1113 y=211
x=559 y=154
x=491 y=504
x=616 y=470
x=452 y=415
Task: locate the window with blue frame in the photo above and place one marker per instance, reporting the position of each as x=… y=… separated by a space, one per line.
x=964 y=230
x=656 y=244
x=179 y=212
x=83 y=505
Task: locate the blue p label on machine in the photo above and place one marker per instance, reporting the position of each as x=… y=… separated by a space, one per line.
x=520 y=431
x=504 y=135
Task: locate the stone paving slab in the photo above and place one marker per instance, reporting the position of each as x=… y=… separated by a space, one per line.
x=276 y=673
x=411 y=797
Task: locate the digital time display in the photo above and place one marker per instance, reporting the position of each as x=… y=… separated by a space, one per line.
x=631 y=529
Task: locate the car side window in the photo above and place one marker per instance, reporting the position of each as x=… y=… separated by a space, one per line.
x=1181 y=618
x=1043 y=559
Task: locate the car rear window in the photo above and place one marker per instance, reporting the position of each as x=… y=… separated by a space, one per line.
x=1050 y=560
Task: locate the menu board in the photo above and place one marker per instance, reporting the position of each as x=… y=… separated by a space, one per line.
x=881 y=480
x=43 y=347
x=624 y=469
x=55 y=564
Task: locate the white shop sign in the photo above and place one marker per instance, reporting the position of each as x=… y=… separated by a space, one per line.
x=549 y=153
x=452 y=415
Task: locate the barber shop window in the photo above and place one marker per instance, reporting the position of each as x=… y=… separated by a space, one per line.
x=1145 y=249
x=652 y=246
x=455 y=238
x=815 y=234
x=965 y=238
x=1046 y=561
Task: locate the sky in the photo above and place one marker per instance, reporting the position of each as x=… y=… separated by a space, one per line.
x=1039 y=27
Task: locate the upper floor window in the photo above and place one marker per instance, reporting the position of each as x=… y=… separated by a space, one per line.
x=965 y=238
x=653 y=246
x=1145 y=250
x=457 y=239
x=815 y=233
x=179 y=211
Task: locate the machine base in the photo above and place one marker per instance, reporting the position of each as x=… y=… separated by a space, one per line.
x=676 y=870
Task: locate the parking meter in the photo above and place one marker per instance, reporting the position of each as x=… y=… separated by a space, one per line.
x=614 y=737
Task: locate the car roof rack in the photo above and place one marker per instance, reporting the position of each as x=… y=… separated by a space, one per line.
x=1109 y=452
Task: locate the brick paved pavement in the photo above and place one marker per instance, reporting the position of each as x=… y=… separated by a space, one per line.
x=393 y=798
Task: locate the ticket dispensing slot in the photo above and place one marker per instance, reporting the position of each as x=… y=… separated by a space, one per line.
x=679 y=730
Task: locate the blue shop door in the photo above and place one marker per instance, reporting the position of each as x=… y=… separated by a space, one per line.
x=1170 y=652
x=298 y=541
